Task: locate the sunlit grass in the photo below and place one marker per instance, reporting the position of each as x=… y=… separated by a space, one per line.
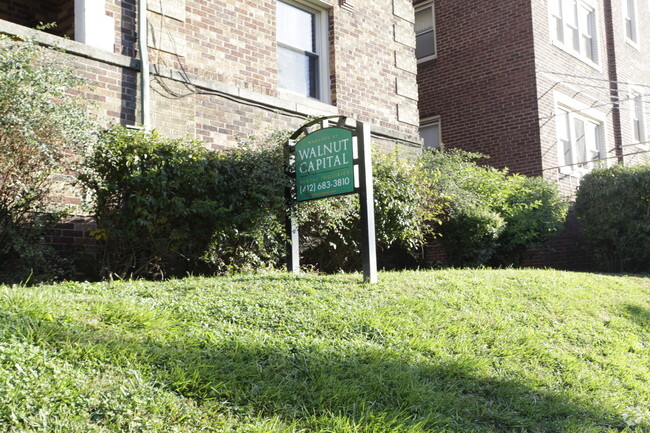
x=435 y=351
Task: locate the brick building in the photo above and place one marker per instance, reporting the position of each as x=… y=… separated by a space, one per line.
x=550 y=88
x=224 y=68
x=216 y=70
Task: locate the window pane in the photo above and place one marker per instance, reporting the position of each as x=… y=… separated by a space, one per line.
x=431 y=135
x=563 y=137
x=581 y=140
x=297 y=72
x=630 y=18
x=569 y=13
x=559 y=29
x=637 y=118
x=296 y=27
x=423 y=20
x=425 y=45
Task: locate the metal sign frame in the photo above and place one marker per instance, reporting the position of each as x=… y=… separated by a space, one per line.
x=362 y=163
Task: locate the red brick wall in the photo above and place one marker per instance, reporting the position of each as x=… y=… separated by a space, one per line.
x=482 y=82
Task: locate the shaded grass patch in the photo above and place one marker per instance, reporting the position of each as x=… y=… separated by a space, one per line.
x=456 y=351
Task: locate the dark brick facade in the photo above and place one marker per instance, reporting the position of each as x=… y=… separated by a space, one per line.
x=499 y=76
x=482 y=82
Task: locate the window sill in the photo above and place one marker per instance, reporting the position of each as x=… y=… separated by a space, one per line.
x=427 y=59
x=633 y=44
x=306 y=104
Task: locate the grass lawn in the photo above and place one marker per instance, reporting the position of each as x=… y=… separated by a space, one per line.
x=434 y=351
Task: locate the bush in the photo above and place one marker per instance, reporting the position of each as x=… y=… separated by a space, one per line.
x=533 y=213
x=491 y=217
x=41 y=126
x=166 y=207
x=155 y=201
x=613 y=207
x=254 y=235
x=406 y=211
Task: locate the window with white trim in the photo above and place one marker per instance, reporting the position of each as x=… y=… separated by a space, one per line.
x=631 y=25
x=425 y=32
x=638 y=119
x=302 y=51
x=573 y=28
x=579 y=139
x=431 y=134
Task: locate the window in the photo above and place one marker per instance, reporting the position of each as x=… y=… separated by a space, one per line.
x=430 y=133
x=638 y=119
x=573 y=28
x=301 y=38
x=629 y=12
x=579 y=139
x=425 y=32
x=82 y=20
x=37 y=12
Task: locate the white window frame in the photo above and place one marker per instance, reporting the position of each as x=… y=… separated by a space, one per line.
x=321 y=16
x=638 y=119
x=432 y=121
x=418 y=8
x=92 y=26
x=573 y=31
x=577 y=111
x=631 y=22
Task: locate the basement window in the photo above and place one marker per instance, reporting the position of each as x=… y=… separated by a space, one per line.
x=34 y=13
x=430 y=133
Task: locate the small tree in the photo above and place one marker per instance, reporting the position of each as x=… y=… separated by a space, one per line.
x=41 y=123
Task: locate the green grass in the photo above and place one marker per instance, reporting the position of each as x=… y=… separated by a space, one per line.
x=438 y=351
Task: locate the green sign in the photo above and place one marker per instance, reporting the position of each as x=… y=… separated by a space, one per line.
x=324 y=164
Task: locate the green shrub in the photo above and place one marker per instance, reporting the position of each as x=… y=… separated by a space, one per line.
x=41 y=126
x=254 y=235
x=533 y=213
x=156 y=201
x=166 y=207
x=491 y=217
x=613 y=207
x=471 y=226
x=406 y=211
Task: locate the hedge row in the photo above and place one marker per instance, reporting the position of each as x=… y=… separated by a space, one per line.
x=613 y=207
x=170 y=207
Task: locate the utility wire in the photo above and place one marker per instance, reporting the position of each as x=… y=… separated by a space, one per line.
x=602 y=104
x=628 y=83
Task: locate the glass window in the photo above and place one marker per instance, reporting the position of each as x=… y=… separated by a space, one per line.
x=638 y=127
x=579 y=139
x=299 y=58
x=629 y=11
x=573 y=27
x=425 y=33
x=430 y=133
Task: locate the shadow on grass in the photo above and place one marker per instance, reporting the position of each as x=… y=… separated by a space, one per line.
x=309 y=384
x=639 y=314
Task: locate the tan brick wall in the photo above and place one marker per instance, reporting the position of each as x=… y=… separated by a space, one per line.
x=229 y=46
